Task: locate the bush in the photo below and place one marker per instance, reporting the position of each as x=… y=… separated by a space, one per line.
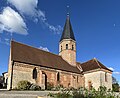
x=1 y=85
x=84 y=93
x=115 y=87
x=50 y=86
x=59 y=87
x=23 y=85
x=35 y=87
x=63 y=94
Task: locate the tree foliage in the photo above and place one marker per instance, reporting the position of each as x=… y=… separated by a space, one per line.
x=115 y=87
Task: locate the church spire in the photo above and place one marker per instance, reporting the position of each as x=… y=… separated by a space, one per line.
x=67 y=44
x=67 y=31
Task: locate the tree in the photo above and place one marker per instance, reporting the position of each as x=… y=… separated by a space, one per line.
x=115 y=85
x=114 y=80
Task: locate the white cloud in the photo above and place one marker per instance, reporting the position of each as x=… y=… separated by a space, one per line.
x=56 y=29
x=111 y=68
x=30 y=8
x=44 y=48
x=118 y=73
x=11 y=21
x=5 y=41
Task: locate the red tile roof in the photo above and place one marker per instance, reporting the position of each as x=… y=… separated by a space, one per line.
x=27 y=54
x=93 y=64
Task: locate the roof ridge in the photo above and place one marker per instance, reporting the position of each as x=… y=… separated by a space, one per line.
x=34 y=47
x=97 y=62
x=79 y=66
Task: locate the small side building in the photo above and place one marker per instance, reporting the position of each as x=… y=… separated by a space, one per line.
x=96 y=74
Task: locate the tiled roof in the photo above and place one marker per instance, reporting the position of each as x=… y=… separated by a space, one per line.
x=93 y=64
x=67 y=31
x=27 y=54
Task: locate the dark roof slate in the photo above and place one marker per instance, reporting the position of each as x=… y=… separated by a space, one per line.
x=93 y=64
x=67 y=31
x=27 y=54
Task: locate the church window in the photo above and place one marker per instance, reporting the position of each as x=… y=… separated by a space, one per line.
x=66 y=46
x=72 y=47
x=77 y=79
x=34 y=73
x=58 y=76
x=106 y=77
x=61 y=48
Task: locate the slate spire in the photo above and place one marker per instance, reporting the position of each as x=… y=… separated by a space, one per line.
x=67 y=31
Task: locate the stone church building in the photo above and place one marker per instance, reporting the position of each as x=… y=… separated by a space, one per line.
x=40 y=67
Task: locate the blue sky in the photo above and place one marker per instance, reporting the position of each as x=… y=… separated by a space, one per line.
x=39 y=23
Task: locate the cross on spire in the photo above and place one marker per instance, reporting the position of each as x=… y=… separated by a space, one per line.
x=67 y=31
x=68 y=13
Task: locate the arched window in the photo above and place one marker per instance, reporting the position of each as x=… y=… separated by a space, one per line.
x=106 y=77
x=34 y=73
x=66 y=46
x=58 y=76
x=77 y=79
x=61 y=48
x=72 y=47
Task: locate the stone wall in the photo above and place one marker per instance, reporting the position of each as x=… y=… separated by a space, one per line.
x=68 y=54
x=97 y=78
x=67 y=79
x=9 y=72
x=107 y=83
x=22 y=71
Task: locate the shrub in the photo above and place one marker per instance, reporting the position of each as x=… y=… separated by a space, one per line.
x=115 y=87
x=59 y=87
x=72 y=88
x=1 y=86
x=35 y=87
x=84 y=93
x=50 y=86
x=63 y=94
x=23 y=85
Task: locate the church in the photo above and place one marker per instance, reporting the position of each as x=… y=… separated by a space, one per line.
x=41 y=67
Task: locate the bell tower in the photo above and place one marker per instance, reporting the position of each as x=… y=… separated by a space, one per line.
x=67 y=43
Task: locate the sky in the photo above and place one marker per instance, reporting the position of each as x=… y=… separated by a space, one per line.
x=39 y=23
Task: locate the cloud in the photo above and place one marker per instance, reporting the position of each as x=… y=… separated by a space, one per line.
x=111 y=68
x=118 y=73
x=27 y=7
x=30 y=8
x=5 y=41
x=54 y=29
x=44 y=48
x=12 y=22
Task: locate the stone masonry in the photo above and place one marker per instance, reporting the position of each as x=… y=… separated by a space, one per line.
x=68 y=54
x=23 y=71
